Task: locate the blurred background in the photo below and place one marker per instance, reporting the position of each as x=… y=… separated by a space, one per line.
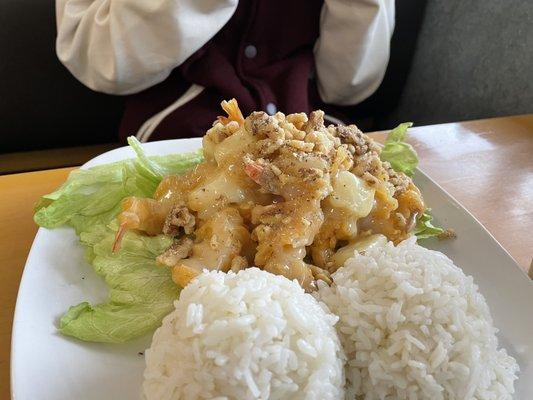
x=451 y=60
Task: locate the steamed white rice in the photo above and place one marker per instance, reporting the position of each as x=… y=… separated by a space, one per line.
x=413 y=326
x=251 y=335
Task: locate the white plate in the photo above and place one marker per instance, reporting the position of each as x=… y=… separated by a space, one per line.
x=48 y=366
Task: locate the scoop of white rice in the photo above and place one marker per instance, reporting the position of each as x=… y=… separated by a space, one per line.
x=414 y=326
x=250 y=335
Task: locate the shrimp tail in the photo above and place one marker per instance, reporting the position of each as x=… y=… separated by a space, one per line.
x=234 y=113
x=118 y=237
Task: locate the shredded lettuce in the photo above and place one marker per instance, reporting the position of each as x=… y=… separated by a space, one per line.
x=93 y=196
x=424 y=227
x=140 y=293
x=401 y=155
x=403 y=158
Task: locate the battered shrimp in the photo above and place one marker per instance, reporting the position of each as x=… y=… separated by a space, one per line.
x=145 y=215
x=219 y=240
x=284 y=230
x=284 y=193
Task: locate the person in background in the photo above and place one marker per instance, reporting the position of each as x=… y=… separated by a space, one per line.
x=177 y=59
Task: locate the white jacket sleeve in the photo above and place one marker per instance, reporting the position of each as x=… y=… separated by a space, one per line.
x=352 y=52
x=125 y=46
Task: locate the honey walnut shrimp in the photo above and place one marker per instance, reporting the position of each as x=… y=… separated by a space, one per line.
x=276 y=192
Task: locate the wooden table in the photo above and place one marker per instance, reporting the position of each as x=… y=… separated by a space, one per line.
x=18 y=193
x=486 y=165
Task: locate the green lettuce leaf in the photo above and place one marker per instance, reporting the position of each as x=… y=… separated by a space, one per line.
x=403 y=158
x=401 y=155
x=424 y=227
x=140 y=292
x=93 y=196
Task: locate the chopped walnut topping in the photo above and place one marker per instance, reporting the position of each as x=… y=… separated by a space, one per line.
x=370 y=179
x=179 y=217
x=311 y=174
x=263 y=125
x=399 y=180
x=351 y=134
x=447 y=234
x=265 y=147
x=302 y=146
x=177 y=251
x=368 y=162
x=275 y=169
x=315 y=122
x=298 y=120
x=218 y=133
